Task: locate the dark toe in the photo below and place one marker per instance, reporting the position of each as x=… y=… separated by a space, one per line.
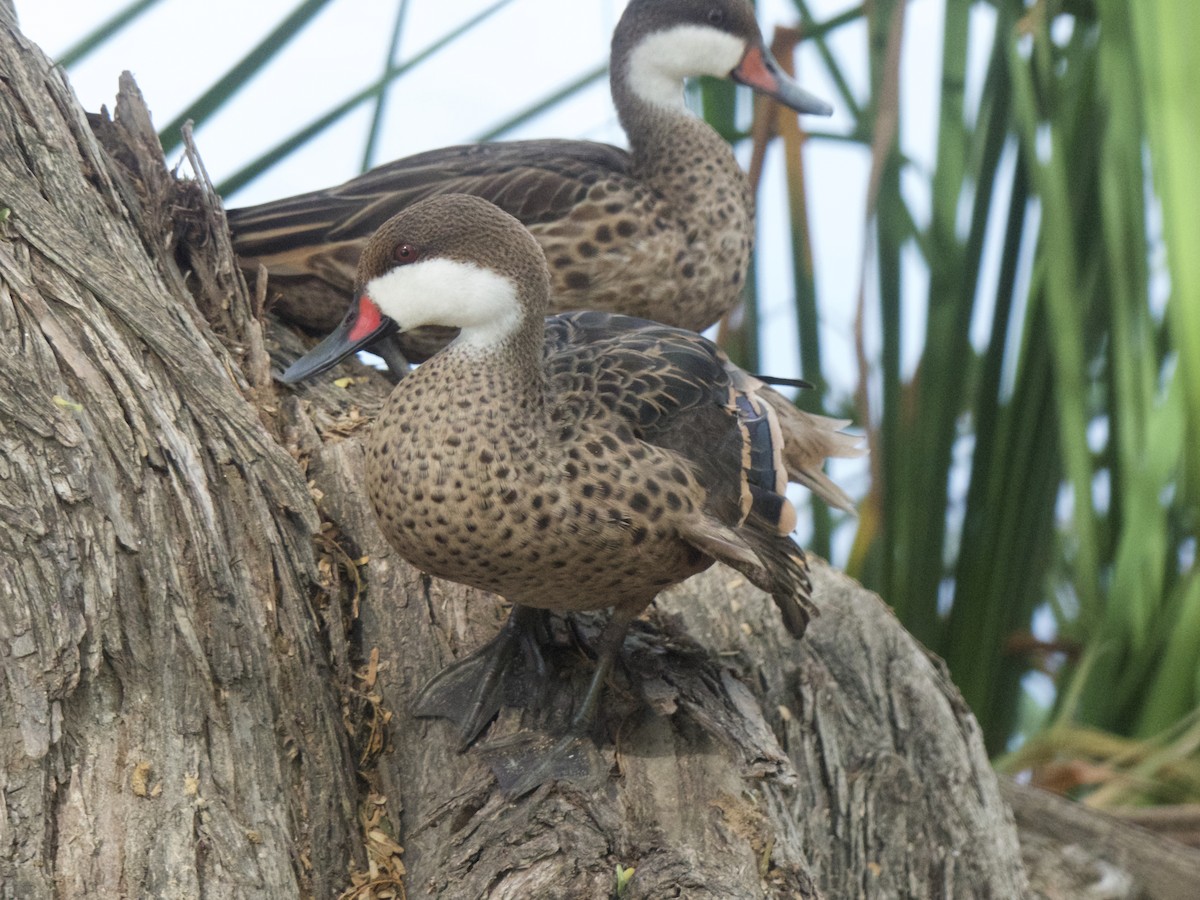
x=527 y=760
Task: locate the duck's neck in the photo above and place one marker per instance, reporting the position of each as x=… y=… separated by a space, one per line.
x=498 y=386
x=673 y=150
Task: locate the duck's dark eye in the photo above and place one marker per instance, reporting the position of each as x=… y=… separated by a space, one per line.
x=406 y=253
x=716 y=17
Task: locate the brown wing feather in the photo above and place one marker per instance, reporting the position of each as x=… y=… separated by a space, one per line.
x=646 y=373
x=674 y=389
x=535 y=181
x=784 y=575
x=771 y=562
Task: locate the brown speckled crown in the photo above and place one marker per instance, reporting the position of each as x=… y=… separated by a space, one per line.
x=589 y=462
x=642 y=17
x=663 y=232
x=464 y=229
x=647 y=17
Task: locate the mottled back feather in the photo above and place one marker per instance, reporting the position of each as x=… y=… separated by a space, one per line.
x=672 y=388
x=534 y=181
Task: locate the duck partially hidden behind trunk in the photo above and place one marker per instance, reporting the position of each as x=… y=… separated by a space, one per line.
x=663 y=231
x=574 y=463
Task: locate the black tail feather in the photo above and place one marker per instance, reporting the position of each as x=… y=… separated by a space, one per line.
x=777 y=381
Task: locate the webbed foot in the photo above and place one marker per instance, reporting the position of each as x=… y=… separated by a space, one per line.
x=470 y=692
x=528 y=759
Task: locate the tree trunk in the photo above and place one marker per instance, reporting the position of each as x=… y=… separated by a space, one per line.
x=171 y=723
x=201 y=700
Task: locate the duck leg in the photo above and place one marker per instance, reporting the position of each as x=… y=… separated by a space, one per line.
x=388 y=349
x=470 y=692
x=527 y=759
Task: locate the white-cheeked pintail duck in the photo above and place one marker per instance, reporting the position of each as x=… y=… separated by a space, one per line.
x=576 y=462
x=663 y=231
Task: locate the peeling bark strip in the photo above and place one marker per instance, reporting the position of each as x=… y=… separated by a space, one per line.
x=174 y=712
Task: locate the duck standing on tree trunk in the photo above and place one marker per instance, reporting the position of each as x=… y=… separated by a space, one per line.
x=663 y=231
x=579 y=462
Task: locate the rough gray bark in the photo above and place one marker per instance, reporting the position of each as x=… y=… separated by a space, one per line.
x=170 y=724
x=175 y=708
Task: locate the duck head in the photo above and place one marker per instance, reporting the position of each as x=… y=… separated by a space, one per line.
x=452 y=260
x=660 y=43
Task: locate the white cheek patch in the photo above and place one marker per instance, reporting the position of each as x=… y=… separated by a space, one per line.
x=660 y=62
x=448 y=292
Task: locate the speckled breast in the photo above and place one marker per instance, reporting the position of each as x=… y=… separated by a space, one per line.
x=584 y=528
